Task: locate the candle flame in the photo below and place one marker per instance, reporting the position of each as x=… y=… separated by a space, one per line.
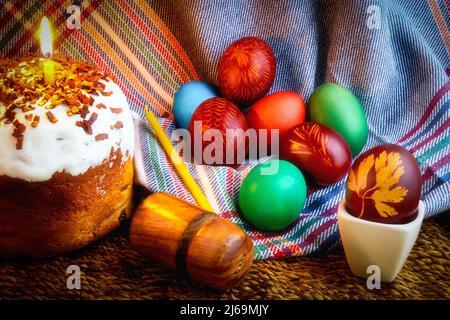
x=46 y=38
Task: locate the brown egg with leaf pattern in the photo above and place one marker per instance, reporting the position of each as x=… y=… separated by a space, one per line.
x=384 y=185
x=317 y=150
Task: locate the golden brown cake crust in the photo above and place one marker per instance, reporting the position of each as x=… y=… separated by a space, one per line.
x=42 y=219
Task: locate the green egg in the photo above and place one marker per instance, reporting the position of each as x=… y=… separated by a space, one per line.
x=272 y=195
x=336 y=107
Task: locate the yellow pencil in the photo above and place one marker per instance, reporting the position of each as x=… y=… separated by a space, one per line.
x=178 y=163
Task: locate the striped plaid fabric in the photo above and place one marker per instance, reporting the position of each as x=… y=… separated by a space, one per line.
x=400 y=74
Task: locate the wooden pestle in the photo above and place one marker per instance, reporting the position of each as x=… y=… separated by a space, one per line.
x=198 y=244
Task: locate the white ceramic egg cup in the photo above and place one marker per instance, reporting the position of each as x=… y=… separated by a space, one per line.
x=369 y=243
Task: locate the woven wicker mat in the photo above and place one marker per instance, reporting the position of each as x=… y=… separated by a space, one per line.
x=111 y=269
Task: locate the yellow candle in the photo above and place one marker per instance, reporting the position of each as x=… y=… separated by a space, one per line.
x=178 y=163
x=49 y=71
x=47 y=50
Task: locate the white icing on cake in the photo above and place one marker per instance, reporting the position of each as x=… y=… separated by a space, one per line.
x=63 y=146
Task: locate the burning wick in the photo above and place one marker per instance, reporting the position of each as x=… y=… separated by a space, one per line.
x=47 y=50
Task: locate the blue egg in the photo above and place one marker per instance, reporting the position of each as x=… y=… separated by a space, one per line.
x=188 y=97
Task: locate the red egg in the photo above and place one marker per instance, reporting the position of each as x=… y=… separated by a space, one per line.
x=317 y=150
x=280 y=110
x=217 y=128
x=246 y=70
x=384 y=185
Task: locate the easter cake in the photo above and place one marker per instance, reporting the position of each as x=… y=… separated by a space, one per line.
x=66 y=156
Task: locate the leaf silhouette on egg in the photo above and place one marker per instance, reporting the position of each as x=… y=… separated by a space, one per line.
x=388 y=170
x=310 y=141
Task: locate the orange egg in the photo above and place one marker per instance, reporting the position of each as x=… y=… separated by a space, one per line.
x=280 y=111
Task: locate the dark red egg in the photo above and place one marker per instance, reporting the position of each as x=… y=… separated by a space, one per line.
x=318 y=151
x=384 y=185
x=217 y=130
x=246 y=71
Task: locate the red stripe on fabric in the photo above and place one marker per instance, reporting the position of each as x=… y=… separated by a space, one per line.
x=441 y=92
x=228 y=214
x=434 y=167
x=314 y=234
x=294 y=249
x=60 y=19
x=288 y=248
x=278 y=253
x=229 y=182
x=161 y=26
x=275 y=251
x=330 y=210
x=102 y=64
x=434 y=135
x=9 y=15
x=84 y=15
x=259 y=236
x=154 y=40
x=311 y=190
x=256 y=235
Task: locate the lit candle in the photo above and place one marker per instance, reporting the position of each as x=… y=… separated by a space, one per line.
x=47 y=50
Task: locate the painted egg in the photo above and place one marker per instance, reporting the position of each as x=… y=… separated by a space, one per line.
x=384 y=185
x=218 y=128
x=337 y=108
x=272 y=195
x=280 y=111
x=187 y=99
x=317 y=150
x=246 y=71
